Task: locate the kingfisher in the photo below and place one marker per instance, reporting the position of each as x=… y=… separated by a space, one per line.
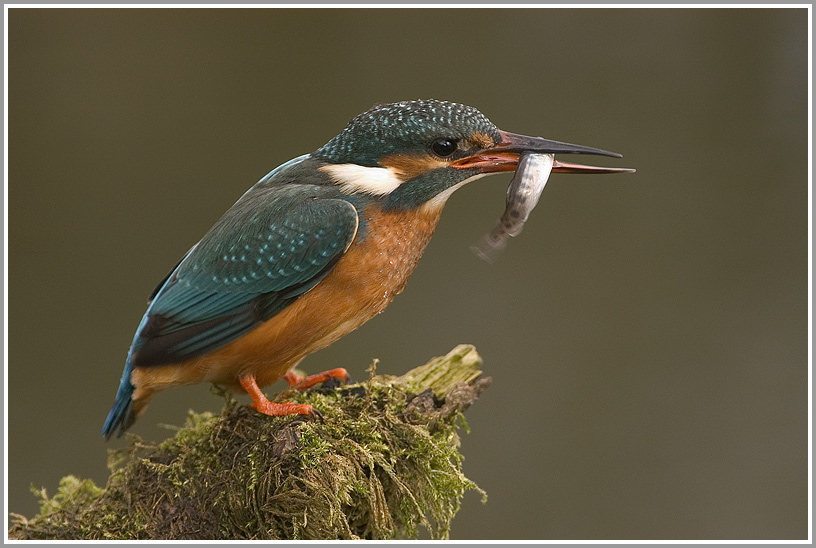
x=312 y=251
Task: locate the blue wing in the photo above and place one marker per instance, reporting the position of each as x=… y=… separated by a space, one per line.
x=272 y=246
x=277 y=242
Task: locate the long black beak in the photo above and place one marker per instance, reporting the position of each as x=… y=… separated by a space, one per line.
x=504 y=156
x=515 y=143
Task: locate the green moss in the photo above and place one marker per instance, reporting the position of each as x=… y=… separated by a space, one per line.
x=382 y=463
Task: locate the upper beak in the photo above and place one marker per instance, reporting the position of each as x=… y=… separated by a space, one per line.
x=505 y=155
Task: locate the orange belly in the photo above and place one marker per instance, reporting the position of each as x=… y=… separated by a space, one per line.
x=374 y=269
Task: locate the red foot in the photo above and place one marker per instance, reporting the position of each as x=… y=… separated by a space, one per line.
x=263 y=405
x=302 y=383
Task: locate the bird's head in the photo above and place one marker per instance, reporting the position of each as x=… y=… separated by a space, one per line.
x=416 y=153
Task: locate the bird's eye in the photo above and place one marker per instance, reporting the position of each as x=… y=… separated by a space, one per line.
x=444 y=147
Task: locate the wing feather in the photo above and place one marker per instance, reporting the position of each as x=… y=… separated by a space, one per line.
x=272 y=246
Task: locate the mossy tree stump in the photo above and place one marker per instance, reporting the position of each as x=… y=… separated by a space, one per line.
x=381 y=463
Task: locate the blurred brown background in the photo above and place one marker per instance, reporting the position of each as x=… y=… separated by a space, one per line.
x=647 y=333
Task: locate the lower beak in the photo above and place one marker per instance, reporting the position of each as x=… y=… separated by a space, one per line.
x=505 y=155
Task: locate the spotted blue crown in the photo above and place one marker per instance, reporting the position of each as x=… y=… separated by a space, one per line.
x=407 y=126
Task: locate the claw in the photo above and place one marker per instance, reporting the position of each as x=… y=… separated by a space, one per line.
x=316 y=414
x=302 y=383
x=263 y=405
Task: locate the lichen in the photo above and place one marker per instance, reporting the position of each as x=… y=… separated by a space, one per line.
x=382 y=463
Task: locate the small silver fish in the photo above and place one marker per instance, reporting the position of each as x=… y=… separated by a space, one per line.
x=522 y=196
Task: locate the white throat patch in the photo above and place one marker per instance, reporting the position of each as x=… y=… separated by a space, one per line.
x=354 y=178
x=438 y=202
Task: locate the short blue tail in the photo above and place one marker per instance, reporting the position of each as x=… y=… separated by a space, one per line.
x=121 y=415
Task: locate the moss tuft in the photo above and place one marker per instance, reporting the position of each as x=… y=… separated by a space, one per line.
x=381 y=464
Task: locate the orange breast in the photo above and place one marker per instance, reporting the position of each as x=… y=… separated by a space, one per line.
x=365 y=280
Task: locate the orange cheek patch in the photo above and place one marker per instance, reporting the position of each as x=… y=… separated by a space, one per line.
x=480 y=140
x=409 y=166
